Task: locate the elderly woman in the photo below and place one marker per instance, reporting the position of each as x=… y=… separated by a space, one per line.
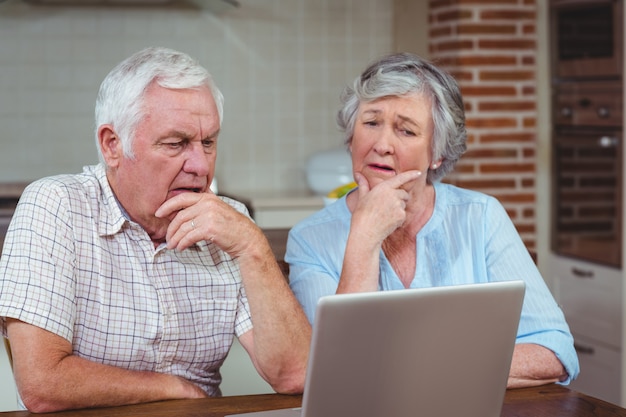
x=401 y=228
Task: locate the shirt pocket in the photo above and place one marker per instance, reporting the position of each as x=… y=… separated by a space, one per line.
x=214 y=327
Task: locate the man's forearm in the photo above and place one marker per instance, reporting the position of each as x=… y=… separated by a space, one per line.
x=50 y=377
x=79 y=383
x=282 y=333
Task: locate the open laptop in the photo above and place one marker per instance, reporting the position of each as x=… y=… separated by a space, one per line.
x=441 y=351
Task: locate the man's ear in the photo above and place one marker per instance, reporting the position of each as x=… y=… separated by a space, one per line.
x=110 y=145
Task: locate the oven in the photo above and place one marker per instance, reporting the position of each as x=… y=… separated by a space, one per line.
x=587 y=178
x=586 y=38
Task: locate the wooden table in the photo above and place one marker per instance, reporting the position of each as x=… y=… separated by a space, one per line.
x=545 y=401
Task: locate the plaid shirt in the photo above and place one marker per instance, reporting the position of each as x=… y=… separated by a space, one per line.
x=74 y=265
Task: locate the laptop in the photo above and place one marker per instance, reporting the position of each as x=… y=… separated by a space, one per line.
x=440 y=351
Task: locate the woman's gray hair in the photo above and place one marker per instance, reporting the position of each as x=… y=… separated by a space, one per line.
x=121 y=94
x=404 y=73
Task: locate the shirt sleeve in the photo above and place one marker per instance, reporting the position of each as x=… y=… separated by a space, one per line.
x=315 y=257
x=37 y=263
x=542 y=321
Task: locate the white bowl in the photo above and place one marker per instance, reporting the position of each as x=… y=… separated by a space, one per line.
x=328 y=170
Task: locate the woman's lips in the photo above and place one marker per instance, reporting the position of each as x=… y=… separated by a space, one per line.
x=384 y=169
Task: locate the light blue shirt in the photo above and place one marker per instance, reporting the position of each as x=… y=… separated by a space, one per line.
x=469 y=238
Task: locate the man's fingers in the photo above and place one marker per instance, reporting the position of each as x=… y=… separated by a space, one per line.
x=179 y=202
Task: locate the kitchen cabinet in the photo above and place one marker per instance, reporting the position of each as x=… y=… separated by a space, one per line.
x=591 y=298
x=282 y=210
x=586 y=257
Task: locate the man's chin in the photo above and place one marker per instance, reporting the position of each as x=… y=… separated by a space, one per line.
x=158 y=229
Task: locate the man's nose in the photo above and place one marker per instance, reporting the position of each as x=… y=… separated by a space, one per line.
x=197 y=160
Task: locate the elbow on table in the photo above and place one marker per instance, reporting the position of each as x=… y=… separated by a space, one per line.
x=289 y=381
x=38 y=399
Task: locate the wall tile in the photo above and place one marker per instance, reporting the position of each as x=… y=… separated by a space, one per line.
x=280 y=63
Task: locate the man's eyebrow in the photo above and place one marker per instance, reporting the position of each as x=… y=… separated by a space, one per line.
x=175 y=134
x=213 y=135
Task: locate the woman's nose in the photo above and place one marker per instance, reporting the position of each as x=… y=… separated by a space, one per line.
x=384 y=144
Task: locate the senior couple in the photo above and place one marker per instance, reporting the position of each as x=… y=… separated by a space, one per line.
x=127 y=283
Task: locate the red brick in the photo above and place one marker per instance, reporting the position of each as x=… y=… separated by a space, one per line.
x=505 y=164
x=476 y=60
x=529 y=29
x=516 y=198
x=455 y=45
x=496 y=122
x=483 y=184
x=511 y=75
x=482 y=29
x=494 y=168
x=440 y=32
x=463 y=168
x=491 y=153
x=509 y=14
x=506 y=106
x=525 y=228
x=484 y=91
x=488 y=2
x=507 y=137
x=453 y=16
x=461 y=76
x=507 y=44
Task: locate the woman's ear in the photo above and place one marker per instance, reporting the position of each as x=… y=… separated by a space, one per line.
x=436 y=164
x=110 y=145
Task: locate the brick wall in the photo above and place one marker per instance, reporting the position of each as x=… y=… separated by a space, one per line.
x=490 y=46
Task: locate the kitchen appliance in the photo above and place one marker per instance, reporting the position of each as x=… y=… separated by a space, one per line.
x=327 y=170
x=586 y=38
x=587 y=179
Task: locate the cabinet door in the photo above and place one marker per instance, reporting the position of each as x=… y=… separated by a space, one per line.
x=599 y=370
x=590 y=296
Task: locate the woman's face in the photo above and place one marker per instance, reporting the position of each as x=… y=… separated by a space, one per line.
x=393 y=135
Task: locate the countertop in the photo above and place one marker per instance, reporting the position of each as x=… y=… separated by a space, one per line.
x=276 y=209
x=11 y=190
x=277 y=198
x=543 y=401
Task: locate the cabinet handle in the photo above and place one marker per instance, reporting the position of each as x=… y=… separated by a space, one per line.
x=584 y=350
x=608 y=142
x=580 y=273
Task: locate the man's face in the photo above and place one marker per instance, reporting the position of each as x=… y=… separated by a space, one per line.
x=175 y=147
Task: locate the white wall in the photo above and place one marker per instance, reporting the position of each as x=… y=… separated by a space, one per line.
x=281 y=65
x=8 y=393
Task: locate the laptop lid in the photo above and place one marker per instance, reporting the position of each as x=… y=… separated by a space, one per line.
x=433 y=351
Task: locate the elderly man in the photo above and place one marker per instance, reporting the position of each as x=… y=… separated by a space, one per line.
x=127 y=283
